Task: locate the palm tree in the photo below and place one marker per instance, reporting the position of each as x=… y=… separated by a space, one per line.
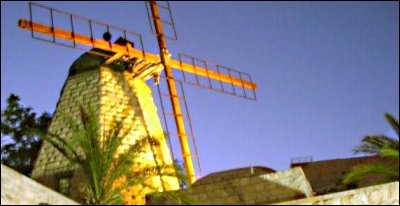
x=181 y=173
x=95 y=158
x=377 y=144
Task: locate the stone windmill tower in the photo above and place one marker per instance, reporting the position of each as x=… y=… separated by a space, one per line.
x=110 y=90
x=111 y=77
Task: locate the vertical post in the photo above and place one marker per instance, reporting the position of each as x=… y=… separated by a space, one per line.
x=72 y=29
x=180 y=126
x=52 y=25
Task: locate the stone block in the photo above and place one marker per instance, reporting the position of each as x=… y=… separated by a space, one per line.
x=244 y=181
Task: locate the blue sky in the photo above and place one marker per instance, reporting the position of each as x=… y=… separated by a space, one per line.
x=326 y=72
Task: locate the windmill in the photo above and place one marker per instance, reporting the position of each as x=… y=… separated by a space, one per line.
x=146 y=65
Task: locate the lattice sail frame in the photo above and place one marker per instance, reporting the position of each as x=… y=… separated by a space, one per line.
x=170 y=132
x=227 y=88
x=79 y=26
x=78 y=40
x=166 y=19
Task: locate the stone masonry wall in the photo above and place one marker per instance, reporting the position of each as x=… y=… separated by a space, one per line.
x=256 y=189
x=130 y=101
x=325 y=176
x=115 y=96
x=17 y=189
x=384 y=194
x=82 y=89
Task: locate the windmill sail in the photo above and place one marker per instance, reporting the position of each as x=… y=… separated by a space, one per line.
x=244 y=88
x=86 y=34
x=117 y=44
x=164 y=9
x=74 y=31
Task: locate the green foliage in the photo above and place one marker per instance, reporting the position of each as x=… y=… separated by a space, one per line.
x=94 y=155
x=390 y=152
x=21 y=130
x=385 y=147
x=394 y=124
x=374 y=144
x=360 y=171
x=177 y=197
x=181 y=174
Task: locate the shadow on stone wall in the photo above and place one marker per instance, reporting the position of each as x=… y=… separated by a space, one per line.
x=256 y=189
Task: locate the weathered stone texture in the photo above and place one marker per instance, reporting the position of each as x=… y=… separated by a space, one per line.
x=116 y=97
x=79 y=90
x=254 y=189
x=129 y=100
x=233 y=174
x=325 y=176
x=384 y=194
x=17 y=189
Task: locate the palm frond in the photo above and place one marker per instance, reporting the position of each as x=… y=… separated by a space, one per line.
x=66 y=149
x=360 y=171
x=99 y=159
x=373 y=144
x=378 y=144
x=390 y=152
x=393 y=123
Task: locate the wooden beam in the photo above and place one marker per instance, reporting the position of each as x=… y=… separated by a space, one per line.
x=132 y=52
x=176 y=108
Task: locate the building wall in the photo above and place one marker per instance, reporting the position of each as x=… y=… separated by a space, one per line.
x=326 y=176
x=385 y=194
x=254 y=189
x=115 y=96
x=17 y=189
x=232 y=174
x=82 y=89
x=130 y=101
